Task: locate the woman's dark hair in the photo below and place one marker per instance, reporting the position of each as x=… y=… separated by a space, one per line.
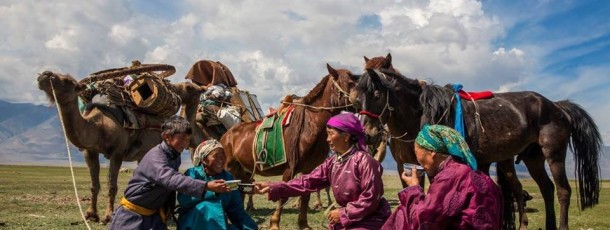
x=353 y=139
x=176 y=124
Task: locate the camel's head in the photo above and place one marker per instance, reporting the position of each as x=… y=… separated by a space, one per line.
x=66 y=87
x=188 y=91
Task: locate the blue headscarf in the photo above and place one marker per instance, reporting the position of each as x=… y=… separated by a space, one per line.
x=440 y=138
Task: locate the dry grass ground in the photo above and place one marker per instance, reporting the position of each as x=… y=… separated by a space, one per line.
x=34 y=197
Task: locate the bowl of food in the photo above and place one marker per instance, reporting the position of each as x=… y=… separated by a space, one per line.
x=233 y=184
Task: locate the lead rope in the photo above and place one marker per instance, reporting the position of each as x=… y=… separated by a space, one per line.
x=63 y=127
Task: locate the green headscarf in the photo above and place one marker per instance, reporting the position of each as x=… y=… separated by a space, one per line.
x=440 y=138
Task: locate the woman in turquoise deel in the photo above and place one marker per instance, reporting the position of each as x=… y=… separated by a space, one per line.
x=214 y=210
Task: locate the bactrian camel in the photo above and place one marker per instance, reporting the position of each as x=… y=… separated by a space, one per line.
x=97 y=132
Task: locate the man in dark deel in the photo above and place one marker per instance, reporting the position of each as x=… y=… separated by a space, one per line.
x=156 y=179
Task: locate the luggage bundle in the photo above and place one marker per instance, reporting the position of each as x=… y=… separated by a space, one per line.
x=140 y=87
x=223 y=103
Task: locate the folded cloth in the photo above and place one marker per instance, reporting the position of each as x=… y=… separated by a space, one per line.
x=475 y=95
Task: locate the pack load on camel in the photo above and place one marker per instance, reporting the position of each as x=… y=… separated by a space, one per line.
x=138 y=95
x=222 y=105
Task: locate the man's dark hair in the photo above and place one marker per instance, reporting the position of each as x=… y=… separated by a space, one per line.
x=176 y=124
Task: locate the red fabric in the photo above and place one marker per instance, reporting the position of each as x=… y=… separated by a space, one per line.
x=288 y=115
x=475 y=95
x=364 y=112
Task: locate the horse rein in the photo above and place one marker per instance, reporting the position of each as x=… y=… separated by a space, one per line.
x=388 y=107
x=379 y=116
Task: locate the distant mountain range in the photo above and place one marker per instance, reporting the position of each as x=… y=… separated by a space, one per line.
x=32 y=134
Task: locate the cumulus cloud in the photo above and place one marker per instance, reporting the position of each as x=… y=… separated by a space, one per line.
x=276 y=49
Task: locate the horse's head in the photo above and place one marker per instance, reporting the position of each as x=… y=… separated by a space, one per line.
x=343 y=82
x=379 y=63
x=334 y=89
x=379 y=91
x=372 y=96
x=66 y=87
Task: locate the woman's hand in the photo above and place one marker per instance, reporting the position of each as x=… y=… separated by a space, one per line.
x=218 y=186
x=334 y=216
x=412 y=179
x=261 y=188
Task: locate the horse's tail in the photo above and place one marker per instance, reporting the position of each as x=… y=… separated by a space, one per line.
x=585 y=143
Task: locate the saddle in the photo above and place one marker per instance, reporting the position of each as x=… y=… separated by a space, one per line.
x=269 y=149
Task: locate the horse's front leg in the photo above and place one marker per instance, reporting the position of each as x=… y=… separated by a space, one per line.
x=508 y=168
x=303 y=225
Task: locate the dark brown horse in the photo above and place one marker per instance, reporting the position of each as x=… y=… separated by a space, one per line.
x=401 y=146
x=305 y=137
x=515 y=123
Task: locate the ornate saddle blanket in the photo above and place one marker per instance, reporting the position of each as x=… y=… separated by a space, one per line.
x=269 y=150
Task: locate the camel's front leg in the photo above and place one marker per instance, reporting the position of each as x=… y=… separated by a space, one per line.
x=113 y=174
x=93 y=162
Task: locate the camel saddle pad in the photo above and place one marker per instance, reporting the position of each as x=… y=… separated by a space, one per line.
x=209 y=73
x=269 y=142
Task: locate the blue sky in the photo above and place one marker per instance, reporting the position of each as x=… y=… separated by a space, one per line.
x=557 y=48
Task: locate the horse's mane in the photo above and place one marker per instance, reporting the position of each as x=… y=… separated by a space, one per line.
x=437 y=105
x=389 y=80
x=316 y=91
x=379 y=63
x=368 y=84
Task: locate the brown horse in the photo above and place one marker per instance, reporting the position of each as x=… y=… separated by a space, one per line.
x=510 y=124
x=305 y=137
x=401 y=146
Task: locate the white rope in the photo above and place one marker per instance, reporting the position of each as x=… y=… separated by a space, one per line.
x=316 y=107
x=63 y=127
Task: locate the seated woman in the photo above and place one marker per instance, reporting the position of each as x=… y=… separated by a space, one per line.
x=352 y=173
x=459 y=196
x=214 y=209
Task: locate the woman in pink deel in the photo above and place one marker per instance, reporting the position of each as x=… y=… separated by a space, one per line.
x=459 y=196
x=352 y=173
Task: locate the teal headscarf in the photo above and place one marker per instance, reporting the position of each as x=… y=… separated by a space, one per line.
x=440 y=138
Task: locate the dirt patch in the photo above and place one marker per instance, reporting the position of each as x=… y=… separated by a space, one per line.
x=45 y=198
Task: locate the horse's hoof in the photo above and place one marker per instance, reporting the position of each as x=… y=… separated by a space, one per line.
x=107 y=220
x=306 y=227
x=92 y=216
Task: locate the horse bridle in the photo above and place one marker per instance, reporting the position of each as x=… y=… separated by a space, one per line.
x=379 y=116
x=340 y=91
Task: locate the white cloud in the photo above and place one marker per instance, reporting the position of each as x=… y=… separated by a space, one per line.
x=276 y=49
x=122 y=34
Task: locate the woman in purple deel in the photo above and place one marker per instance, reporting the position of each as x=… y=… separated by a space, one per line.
x=352 y=173
x=459 y=196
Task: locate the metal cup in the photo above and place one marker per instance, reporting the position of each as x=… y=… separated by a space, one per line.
x=420 y=170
